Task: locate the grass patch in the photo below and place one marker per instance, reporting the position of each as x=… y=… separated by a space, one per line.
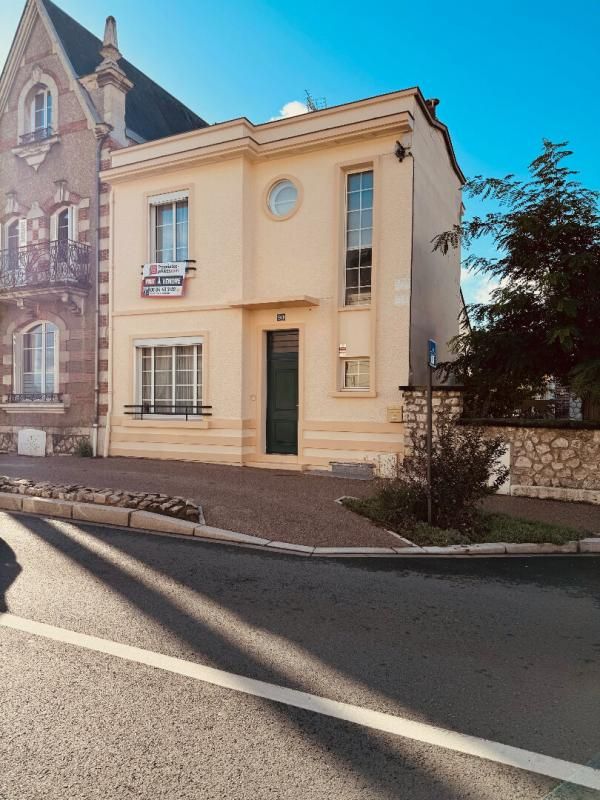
x=489 y=528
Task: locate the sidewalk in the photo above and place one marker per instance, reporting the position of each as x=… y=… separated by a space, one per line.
x=292 y=506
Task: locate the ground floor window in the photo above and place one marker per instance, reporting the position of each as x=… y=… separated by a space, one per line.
x=170 y=376
x=36 y=373
x=356 y=373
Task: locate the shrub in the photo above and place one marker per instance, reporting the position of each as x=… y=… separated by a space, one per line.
x=83 y=448
x=464 y=469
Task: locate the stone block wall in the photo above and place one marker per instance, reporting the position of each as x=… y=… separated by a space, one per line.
x=59 y=442
x=414 y=410
x=553 y=463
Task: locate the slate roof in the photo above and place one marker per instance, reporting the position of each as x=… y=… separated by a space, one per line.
x=150 y=111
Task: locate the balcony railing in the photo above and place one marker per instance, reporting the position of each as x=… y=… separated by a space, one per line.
x=186 y=410
x=35 y=397
x=36 y=136
x=45 y=265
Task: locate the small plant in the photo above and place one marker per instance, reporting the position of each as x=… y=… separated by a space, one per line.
x=83 y=448
x=464 y=470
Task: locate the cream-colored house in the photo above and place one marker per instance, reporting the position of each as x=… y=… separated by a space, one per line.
x=310 y=289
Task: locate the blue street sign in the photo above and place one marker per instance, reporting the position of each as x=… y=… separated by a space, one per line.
x=431 y=353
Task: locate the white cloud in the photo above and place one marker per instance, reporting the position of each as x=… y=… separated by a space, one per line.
x=291 y=109
x=484 y=290
x=476 y=287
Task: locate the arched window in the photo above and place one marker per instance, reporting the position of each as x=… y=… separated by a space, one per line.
x=63 y=225
x=41 y=111
x=36 y=361
x=12 y=236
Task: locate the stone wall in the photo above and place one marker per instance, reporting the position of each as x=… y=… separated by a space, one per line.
x=59 y=442
x=551 y=462
x=178 y=507
x=414 y=410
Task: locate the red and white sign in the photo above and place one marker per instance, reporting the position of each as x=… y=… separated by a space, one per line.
x=165 y=279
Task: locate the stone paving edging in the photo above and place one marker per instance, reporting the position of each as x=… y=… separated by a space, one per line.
x=147 y=521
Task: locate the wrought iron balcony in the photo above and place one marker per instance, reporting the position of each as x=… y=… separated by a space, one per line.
x=186 y=410
x=44 y=266
x=35 y=397
x=36 y=136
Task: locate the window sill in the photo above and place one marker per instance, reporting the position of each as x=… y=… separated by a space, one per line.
x=354 y=393
x=364 y=307
x=165 y=421
x=35 y=152
x=33 y=407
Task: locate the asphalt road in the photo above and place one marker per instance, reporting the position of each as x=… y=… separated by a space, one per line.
x=506 y=650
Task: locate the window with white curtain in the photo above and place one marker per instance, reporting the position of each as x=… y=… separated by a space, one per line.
x=170 y=375
x=169 y=227
x=36 y=360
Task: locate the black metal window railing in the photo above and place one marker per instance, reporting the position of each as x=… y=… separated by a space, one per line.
x=38 y=135
x=35 y=397
x=61 y=263
x=187 y=410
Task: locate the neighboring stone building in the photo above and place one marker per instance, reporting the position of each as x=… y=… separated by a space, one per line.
x=289 y=284
x=67 y=100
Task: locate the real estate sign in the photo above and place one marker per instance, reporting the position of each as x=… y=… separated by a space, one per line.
x=164 y=279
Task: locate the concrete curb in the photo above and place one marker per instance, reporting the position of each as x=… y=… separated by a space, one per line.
x=148 y=522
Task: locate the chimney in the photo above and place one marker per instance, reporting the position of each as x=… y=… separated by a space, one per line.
x=432 y=104
x=112 y=82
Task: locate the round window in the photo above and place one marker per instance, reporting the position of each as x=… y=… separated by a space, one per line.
x=282 y=198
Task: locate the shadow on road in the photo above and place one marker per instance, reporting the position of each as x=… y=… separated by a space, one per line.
x=381 y=760
x=453 y=643
x=9 y=570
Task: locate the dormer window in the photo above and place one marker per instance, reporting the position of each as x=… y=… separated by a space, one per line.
x=37 y=118
x=40 y=115
x=41 y=110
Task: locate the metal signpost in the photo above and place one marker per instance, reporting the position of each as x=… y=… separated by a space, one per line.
x=431 y=365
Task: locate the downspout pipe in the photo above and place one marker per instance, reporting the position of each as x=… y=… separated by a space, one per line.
x=102 y=134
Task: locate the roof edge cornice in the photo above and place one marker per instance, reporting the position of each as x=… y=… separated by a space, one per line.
x=89 y=109
x=17 y=48
x=34 y=9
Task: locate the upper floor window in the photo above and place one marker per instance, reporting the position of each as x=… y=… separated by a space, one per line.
x=63 y=225
x=13 y=235
x=62 y=232
x=359 y=238
x=41 y=110
x=169 y=227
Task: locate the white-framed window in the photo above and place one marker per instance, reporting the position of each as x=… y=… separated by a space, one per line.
x=282 y=198
x=13 y=235
x=356 y=373
x=358 y=238
x=36 y=361
x=169 y=230
x=41 y=109
x=64 y=225
x=169 y=375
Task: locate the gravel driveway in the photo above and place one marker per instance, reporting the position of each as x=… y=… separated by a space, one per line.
x=290 y=506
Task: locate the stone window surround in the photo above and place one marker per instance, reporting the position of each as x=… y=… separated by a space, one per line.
x=38 y=78
x=8 y=342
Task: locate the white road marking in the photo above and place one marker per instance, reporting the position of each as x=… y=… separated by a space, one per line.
x=417 y=731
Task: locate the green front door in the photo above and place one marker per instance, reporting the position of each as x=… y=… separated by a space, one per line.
x=282 y=392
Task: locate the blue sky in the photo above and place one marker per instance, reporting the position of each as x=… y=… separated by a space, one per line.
x=507 y=73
